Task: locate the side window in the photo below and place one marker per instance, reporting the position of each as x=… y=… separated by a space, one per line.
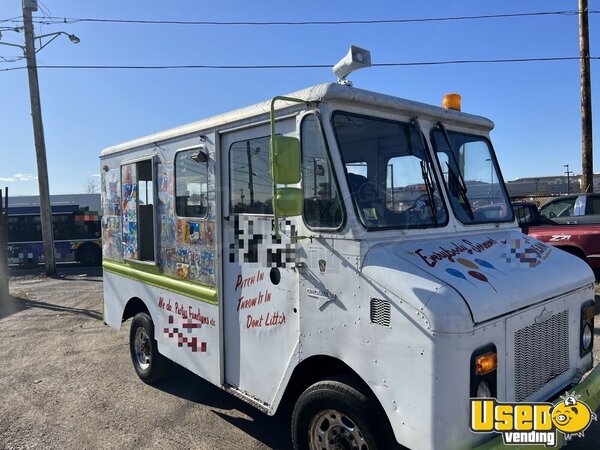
x=524 y=214
x=560 y=208
x=249 y=171
x=15 y=229
x=191 y=183
x=24 y=229
x=62 y=226
x=592 y=205
x=322 y=204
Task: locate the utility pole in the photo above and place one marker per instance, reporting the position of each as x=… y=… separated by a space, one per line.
x=3 y=248
x=40 y=145
x=587 y=161
x=250 y=174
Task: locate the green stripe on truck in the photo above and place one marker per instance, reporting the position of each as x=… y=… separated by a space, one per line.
x=150 y=274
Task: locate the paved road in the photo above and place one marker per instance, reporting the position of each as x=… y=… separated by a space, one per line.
x=66 y=381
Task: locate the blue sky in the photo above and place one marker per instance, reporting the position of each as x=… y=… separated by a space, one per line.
x=535 y=105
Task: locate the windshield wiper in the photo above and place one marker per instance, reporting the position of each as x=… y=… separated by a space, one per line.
x=456 y=174
x=430 y=189
x=425 y=172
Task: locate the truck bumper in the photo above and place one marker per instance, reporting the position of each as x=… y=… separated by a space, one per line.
x=588 y=389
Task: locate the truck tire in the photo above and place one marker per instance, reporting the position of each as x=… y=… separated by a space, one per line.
x=331 y=414
x=89 y=255
x=148 y=363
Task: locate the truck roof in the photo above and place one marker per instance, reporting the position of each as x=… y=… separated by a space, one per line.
x=319 y=93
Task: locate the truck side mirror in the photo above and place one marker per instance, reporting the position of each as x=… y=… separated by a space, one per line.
x=286 y=169
x=289 y=201
x=285 y=160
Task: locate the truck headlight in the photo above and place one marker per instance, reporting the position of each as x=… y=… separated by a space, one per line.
x=484 y=362
x=586 y=337
x=588 y=310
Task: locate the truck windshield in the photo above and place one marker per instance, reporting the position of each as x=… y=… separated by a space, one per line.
x=476 y=191
x=389 y=173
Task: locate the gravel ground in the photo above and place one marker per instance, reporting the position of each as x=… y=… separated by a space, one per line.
x=66 y=381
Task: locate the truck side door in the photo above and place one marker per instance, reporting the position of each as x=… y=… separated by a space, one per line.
x=260 y=283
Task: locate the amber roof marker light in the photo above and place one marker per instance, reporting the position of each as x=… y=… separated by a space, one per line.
x=451 y=101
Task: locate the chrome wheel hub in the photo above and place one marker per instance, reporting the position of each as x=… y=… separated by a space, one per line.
x=331 y=430
x=143 y=353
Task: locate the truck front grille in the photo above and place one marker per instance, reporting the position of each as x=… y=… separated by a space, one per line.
x=541 y=354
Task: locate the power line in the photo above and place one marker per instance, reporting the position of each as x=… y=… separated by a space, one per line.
x=66 y=20
x=11 y=59
x=12 y=19
x=297 y=66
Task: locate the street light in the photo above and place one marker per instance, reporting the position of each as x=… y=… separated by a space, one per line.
x=74 y=39
x=38 y=129
x=568 y=172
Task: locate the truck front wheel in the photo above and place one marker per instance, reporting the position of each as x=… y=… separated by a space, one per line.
x=149 y=364
x=333 y=415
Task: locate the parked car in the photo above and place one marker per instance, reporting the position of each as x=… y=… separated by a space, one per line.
x=582 y=240
x=573 y=209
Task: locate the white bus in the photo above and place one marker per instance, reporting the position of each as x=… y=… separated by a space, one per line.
x=366 y=267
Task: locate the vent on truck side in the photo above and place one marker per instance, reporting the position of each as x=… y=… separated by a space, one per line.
x=381 y=313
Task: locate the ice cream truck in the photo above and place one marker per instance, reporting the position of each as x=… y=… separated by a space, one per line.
x=347 y=252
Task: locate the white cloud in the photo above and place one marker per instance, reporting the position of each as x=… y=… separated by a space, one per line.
x=96 y=175
x=18 y=177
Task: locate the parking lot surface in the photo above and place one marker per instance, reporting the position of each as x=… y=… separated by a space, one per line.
x=66 y=381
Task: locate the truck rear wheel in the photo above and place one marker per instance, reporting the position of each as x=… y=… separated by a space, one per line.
x=334 y=415
x=89 y=255
x=148 y=363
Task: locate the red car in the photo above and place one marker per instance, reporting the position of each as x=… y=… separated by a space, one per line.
x=580 y=240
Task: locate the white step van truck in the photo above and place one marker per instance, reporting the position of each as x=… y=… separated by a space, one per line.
x=347 y=251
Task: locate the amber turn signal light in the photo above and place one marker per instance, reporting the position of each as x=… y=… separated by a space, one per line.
x=588 y=312
x=486 y=363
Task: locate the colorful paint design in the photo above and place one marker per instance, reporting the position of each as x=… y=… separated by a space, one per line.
x=467 y=261
x=179 y=240
x=194 y=232
x=186 y=246
x=111 y=215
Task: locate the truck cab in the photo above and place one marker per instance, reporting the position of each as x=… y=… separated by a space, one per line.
x=573 y=209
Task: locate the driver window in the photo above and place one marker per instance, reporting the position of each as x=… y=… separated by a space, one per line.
x=322 y=204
